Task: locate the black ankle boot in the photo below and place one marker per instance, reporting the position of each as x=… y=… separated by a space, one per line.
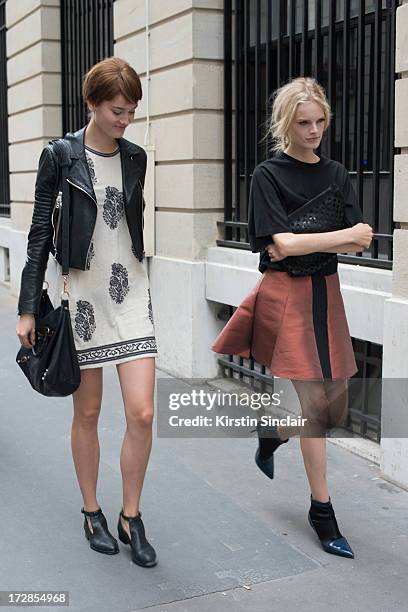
x=269 y=441
x=101 y=539
x=323 y=520
x=143 y=553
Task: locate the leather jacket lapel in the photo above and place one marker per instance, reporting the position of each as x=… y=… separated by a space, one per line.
x=79 y=171
x=131 y=170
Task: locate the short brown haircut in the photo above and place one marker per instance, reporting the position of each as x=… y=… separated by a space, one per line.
x=110 y=77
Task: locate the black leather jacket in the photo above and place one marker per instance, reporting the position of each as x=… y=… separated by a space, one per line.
x=45 y=232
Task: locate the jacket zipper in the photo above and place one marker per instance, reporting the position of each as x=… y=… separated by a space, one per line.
x=78 y=187
x=143 y=203
x=56 y=228
x=93 y=200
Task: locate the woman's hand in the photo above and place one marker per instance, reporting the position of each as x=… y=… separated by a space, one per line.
x=361 y=234
x=274 y=253
x=25 y=330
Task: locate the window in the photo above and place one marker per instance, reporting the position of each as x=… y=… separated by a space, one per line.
x=86 y=38
x=4 y=152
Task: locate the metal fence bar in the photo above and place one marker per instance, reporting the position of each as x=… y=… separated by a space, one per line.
x=359 y=107
x=268 y=65
x=390 y=77
x=331 y=77
x=238 y=111
x=247 y=111
x=4 y=148
x=279 y=50
x=345 y=85
x=317 y=40
x=257 y=75
x=68 y=107
x=375 y=131
x=305 y=37
x=228 y=117
x=291 y=42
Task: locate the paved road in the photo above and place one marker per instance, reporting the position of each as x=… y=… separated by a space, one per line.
x=227 y=538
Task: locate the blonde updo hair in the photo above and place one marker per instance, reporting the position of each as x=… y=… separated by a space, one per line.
x=285 y=102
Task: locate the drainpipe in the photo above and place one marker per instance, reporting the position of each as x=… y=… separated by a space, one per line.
x=147 y=84
x=149 y=191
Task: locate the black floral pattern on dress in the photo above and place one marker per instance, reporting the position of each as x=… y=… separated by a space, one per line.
x=91 y=167
x=91 y=254
x=113 y=208
x=85 y=320
x=119 y=283
x=149 y=305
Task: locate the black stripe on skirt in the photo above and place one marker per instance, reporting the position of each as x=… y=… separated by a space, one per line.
x=319 y=293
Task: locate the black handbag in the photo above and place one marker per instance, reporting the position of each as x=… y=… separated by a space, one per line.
x=323 y=213
x=51 y=365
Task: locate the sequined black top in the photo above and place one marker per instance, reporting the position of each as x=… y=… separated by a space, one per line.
x=282 y=184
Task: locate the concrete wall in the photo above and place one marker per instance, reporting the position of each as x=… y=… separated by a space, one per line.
x=34 y=106
x=394 y=462
x=186 y=131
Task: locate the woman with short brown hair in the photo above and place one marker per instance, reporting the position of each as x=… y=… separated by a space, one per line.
x=110 y=304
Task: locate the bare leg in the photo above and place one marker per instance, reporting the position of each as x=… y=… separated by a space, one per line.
x=324 y=404
x=87 y=401
x=314 y=458
x=137 y=384
x=337 y=394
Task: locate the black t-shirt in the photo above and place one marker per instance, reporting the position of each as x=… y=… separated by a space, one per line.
x=282 y=184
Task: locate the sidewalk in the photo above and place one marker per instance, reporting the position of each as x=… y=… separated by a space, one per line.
x=227 y=538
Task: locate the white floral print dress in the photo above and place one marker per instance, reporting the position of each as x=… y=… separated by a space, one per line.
x=110 y=305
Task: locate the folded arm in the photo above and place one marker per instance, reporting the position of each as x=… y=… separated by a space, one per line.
x=350 y=239
x=346 y=248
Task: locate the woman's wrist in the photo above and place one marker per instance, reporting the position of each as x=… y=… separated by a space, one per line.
x=349 y=235
x=304 y=244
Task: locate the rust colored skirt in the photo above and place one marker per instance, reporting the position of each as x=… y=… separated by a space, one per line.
x=295 y=326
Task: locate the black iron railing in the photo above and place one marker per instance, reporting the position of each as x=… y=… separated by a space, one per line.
x=86 y=38
x=349 y=47
x=364 y=416
x=4 y=153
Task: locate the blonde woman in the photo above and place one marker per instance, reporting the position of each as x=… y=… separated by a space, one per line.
x=110 y=303
x=296 y=324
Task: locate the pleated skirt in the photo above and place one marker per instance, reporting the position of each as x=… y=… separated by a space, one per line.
x=295 y=326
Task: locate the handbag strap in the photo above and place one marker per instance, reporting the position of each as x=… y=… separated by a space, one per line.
x=63 y=151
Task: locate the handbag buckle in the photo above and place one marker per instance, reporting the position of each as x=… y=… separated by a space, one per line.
x=45 y=332
x=65 y=288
